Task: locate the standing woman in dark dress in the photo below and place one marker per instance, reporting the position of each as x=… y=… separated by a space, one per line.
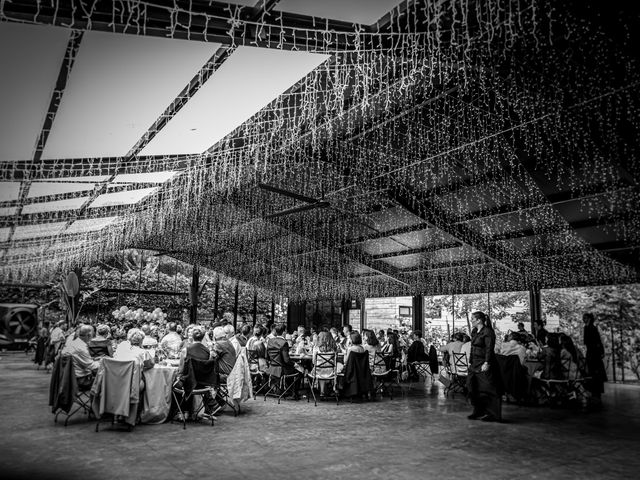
x=595 y=354
x=483 y=380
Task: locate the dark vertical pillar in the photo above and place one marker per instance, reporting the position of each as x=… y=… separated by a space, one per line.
x=535 y=305
x=333 y=313
x=235 y=306
x=216 y=298
x=193 y=294
x=346 y=306
x=613 y=355
x=417 y=320
x=255 y=306
x=363 y=314
x=273 y=309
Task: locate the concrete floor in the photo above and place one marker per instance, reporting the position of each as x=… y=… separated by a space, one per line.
x=422 y=435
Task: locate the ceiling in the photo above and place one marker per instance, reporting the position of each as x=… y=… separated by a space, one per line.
x=325 y=149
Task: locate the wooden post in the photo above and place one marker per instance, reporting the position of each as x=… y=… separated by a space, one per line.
x=363 y=314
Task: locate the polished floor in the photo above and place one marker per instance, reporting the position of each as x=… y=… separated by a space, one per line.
x=420 y=435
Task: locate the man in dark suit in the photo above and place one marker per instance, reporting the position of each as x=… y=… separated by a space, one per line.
x=288 y=366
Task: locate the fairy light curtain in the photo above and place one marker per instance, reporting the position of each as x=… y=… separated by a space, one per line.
x=483 y=92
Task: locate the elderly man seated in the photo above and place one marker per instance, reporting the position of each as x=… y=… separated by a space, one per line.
x=131 y=349
x=171 y=343
x=225 y=355
x=84 y=366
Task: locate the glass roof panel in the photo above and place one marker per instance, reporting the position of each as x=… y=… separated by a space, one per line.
x=244 y=84
x=153 y=177
x=90 y=224
x=119 y=86
x=41 y=189
x=30 y=56
x=122 y=198
x=9 y=191
x=56 y=206
x=24 y=232
x=8 y=211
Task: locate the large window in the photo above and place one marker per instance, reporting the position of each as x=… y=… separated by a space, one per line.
x=617 y=312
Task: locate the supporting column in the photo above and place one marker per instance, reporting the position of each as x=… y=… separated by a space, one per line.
x=193 y=294
x=235 y=306
x=535 y=305
x=255 y=306
x=273 y=309
x=417 y=313
x=363 y=314
x=346 y=306
x=216 y=299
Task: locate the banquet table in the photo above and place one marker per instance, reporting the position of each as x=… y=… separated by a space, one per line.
x=157 y=393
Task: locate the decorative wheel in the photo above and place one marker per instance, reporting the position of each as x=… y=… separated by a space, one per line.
x=21 y=322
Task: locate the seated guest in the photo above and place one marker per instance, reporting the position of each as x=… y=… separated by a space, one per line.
x=371 y=345
x=223 y=352
x=84 y=366
x=101 y=346
x=416 y=353
x=541 y=333
x=288 y=365
x=466 y=349
x=171 y=343
x=355 y=345
x=513 y=346
x=198 y=351
x=336 y=336
x=454 y=346
x=346 y=342
x=391 y=347
x=241 y=338
x=131 y=349
x=256 y=343
x=325 y=344
x=551 y=358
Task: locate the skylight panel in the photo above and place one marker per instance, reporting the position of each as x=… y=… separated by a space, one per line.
x=55 y=206
x=9 y=191
x=8 y=211
x=90 y=224
x=128 y=197
x=4 y=234
x=244 y=84
x=31 y=56
x=83 y=178
x=365 y=12
x=119 y=86
x=42 y=189
x=153 y=177
x=24 y=232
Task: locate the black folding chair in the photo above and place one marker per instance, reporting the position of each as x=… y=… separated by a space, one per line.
x=198 y=379
x=65 y=396
x=285 y=382
x=383 y=374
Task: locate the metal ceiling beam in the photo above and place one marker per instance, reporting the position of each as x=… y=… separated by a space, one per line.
x=183 y=19
x=552 y=199
x=431 y=213
x=61 y=169
x=413 y=251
